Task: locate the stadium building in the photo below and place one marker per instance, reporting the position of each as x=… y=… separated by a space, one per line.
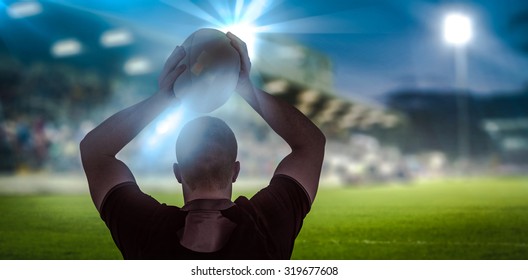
x=59 y=82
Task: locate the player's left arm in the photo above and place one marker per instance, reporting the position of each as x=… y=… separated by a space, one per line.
x=100 y=146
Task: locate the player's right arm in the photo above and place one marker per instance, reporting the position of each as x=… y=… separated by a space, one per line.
x=302 y=135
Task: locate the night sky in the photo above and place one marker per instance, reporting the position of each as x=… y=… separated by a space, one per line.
x=389 y=45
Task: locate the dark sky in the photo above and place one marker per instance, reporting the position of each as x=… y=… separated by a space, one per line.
x=376 y=46
x=388 y=45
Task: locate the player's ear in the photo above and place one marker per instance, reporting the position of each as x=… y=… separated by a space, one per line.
x=177 y=172
x=236 y=170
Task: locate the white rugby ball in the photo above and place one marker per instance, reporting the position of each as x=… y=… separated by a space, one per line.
x=213 y=67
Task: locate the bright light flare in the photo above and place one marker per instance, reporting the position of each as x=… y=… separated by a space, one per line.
x=247 y=32
x=24 y=9
x=66 y=47
x=238 y=16
x=116 y=38
x=458 y=29
x=138 y=66
x=161 y=136
x=170 y=122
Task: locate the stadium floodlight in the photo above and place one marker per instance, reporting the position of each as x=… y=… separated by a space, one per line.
x=116 y=38
x=24 y=9
x=66 y=47
x=458 y=29
x=137 y=66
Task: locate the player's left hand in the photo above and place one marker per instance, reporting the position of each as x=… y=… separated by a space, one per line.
x=244 y=82
x=171 y=71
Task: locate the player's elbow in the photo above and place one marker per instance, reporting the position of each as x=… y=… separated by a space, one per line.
x=86 y=146
x=319 y=140
x=313 y=140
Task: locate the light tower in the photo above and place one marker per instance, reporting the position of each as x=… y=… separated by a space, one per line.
x=458 y=32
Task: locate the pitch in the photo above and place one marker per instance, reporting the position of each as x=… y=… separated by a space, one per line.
x=448 y=219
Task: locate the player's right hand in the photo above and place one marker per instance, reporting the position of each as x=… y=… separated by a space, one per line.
x=171 y=71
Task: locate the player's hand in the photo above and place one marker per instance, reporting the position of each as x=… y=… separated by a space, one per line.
x=171 y=71
x=244 y=83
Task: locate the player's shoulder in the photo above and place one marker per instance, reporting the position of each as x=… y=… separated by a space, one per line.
x=129 y=187
x=244 y=204
x=127 y=196
x=282 y=190
x=288 y=186
x=283 y=179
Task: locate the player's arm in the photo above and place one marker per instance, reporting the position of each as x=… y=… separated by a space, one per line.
x=304 y=137
x=100 y=146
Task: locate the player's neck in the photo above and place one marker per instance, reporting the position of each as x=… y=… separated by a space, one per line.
x=207 y=194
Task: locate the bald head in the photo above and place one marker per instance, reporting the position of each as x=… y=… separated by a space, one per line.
x=206 y=152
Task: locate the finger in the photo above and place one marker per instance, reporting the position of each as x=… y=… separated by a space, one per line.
x=239 y=45
x=241 y=48
x=232 y=36
x=172 y=61
x=177 y=54
x=172 y=76
x=236 y=42
x=168 y=66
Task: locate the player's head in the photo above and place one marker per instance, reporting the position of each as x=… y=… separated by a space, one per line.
x=206 y=152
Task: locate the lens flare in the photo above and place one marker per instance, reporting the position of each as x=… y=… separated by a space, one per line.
x=247 y=32
x=169 y=122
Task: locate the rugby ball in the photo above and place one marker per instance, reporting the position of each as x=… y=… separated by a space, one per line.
x=213 y=67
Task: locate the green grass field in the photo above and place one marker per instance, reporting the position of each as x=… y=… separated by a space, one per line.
x=450 y=219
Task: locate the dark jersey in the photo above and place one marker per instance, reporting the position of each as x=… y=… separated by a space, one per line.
x=263 y=227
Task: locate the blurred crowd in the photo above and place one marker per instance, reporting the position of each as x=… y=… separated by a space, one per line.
x=34 y=144
x=45 y=111
x=363 y=159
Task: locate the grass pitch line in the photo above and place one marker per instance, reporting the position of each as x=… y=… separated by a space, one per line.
x=427 y=243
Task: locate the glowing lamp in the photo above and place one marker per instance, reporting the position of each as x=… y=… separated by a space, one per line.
x=457 y=29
